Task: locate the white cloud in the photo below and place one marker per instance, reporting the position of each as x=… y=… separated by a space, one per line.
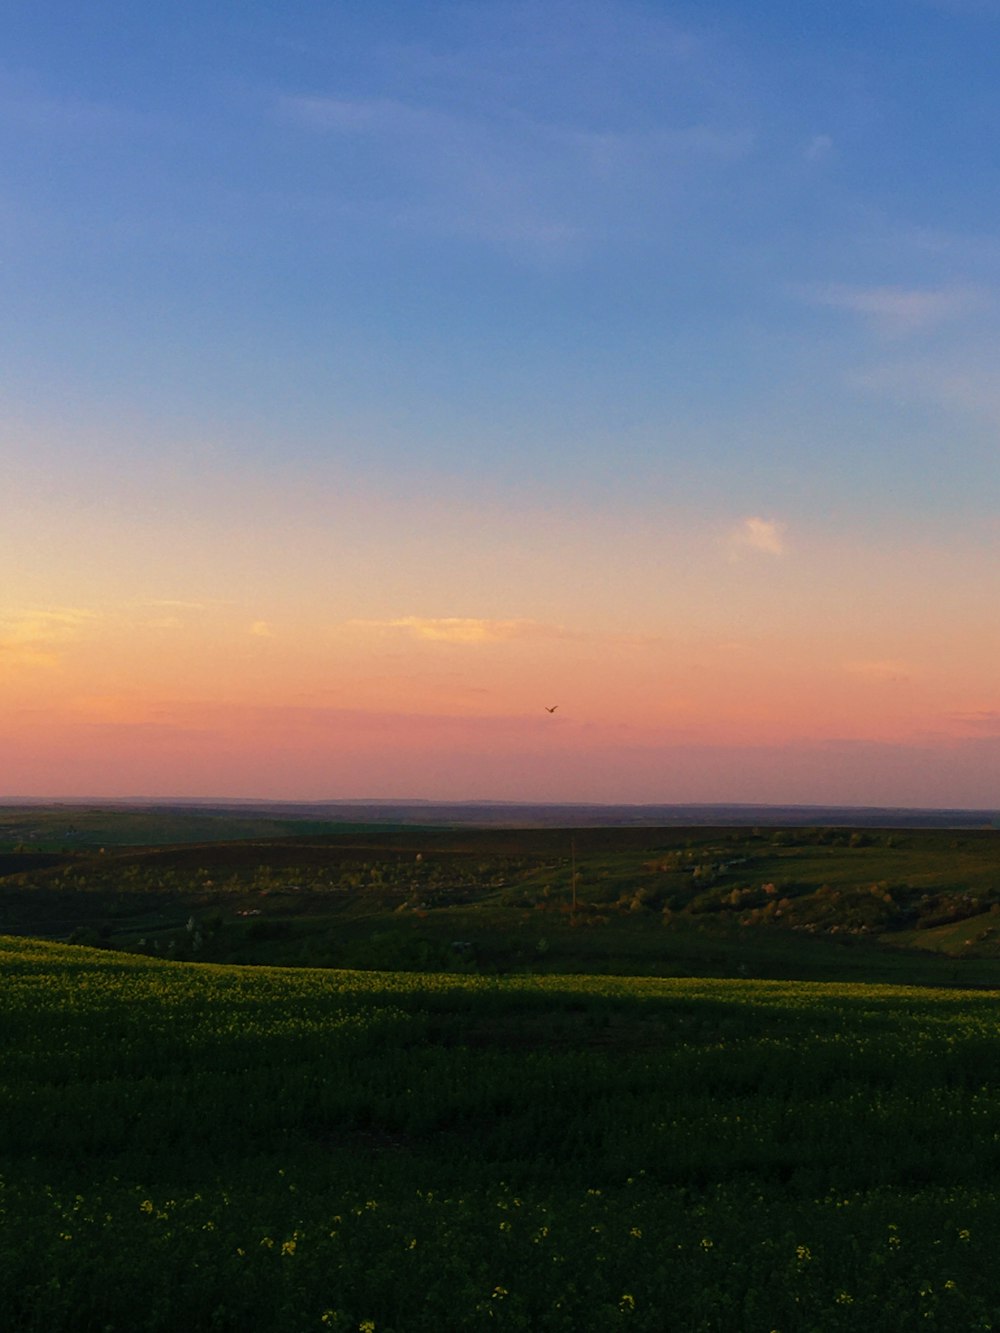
x=819 y=147
x=367 y=115
x=897 y=311
x=490 y=168
x=464 y=629
x=486 y=177
x=36 y=638
x=473 y=630
x=758 y=534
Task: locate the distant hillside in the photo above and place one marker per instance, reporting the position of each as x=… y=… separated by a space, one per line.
x=148 y=822
x=809 y=902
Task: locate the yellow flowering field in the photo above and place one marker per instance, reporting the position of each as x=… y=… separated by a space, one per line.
x=221 y=1148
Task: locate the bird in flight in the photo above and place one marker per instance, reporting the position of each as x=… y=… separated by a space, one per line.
x=550 y=710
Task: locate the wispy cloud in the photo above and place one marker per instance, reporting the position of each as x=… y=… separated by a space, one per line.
x=442 y=171
x=170 y=613
x=382 y=116
x=541 y=130
x=32 y=108
x=986 y=721
x=474 y=631
x=820 y=146
x=967 y=386
x=464 y=629
x=897 y=311
x=756 y=534
x=37 y=638
x=510 y=177
x=177 y=603
x=400 y=121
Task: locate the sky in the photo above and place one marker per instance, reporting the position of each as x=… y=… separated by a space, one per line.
x=376 y=376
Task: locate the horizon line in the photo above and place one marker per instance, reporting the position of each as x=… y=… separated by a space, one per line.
x=432 y=802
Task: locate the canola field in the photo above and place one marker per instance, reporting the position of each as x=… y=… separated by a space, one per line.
x=220 y=1148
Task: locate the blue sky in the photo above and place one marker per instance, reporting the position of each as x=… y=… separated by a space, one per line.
x=454 y=273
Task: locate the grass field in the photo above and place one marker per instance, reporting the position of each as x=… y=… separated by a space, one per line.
x=918 y=906
x=228 y=1148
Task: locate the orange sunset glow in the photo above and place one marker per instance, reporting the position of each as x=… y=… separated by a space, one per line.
x=356 y=417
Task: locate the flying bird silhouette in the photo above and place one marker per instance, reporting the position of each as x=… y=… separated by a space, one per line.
x=550 y=710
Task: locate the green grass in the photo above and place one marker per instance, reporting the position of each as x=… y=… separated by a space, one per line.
x=749 y=1084
x=914 y=907
x=223 y=1148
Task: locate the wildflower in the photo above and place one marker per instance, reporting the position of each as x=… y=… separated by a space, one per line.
x=288 y=1247
x=366 y=1326
x=706 y=1243
x=627 y=1303
x=964 y=1234
x=950 y=1285
x=146 y=1206
x=844 y=1298
x=636 y=1232
x=499 y=1293
x=803 y=1254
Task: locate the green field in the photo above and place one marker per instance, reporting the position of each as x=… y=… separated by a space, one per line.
x=388 y=1080
x=914 y=906
x=229 y=1148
